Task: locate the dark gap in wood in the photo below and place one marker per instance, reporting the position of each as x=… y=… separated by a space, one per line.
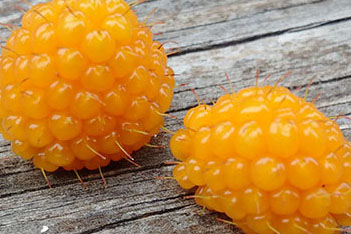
x=3 y=151
x=184 y=51
x=160 y=200
x=336 y=79
x=317 y=25
x=146 y=215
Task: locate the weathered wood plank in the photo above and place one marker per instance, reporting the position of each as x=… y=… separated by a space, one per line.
x=321 y=52
x=249 y=20
x=310 y=38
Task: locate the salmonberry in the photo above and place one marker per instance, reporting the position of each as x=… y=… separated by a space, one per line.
x=269 y=160
x=82 y=82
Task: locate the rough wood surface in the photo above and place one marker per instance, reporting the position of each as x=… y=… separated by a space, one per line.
x=312 y=38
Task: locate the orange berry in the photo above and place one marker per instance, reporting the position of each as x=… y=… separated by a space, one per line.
x=85 y=83
x=269 y=160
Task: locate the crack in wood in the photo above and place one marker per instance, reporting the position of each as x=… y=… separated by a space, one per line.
x=143 y=216
x=214 y=46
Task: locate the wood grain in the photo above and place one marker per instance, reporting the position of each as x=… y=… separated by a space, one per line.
x=311 y=38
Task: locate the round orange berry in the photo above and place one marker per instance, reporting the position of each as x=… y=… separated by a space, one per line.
x=269 y=160
x=82 y=83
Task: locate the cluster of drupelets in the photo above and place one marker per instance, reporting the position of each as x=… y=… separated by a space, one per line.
x=269 y=160
x=82 y=83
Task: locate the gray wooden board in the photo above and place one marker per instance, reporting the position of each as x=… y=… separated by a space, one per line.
x=311 y=38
